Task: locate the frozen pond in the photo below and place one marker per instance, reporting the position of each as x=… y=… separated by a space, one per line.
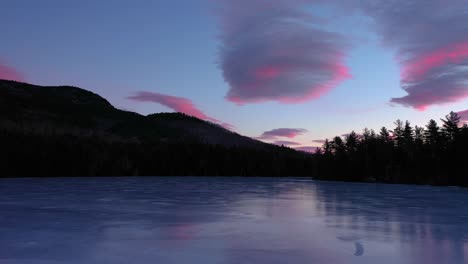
x=229 y=220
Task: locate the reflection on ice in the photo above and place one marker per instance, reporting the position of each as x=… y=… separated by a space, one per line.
x=229 y=220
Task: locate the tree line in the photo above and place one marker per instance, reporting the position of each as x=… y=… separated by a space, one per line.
x=24 y=154
x=434 y=154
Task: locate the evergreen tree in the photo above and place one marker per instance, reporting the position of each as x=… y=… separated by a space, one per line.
x=450 y=126
x=384 y=135
x=327 y=148
x=318 y=151
x=418 y=135
x=366 y=134
x=351 y=141
x=432 y=133
x=398 y=133
x=337 y=145
x=408 y=133
x=372 y=135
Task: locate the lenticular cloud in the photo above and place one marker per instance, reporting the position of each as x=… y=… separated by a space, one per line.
x=286 y=143
x=275 y=51
x=431 y=40
x=271 y=51
x=282 y=132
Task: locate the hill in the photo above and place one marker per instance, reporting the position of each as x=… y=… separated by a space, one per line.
x=66 y=130
x=72 y=110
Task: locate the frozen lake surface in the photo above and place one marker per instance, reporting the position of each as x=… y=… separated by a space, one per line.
x=229 y=220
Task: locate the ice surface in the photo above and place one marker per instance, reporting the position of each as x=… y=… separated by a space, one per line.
x=229 y=220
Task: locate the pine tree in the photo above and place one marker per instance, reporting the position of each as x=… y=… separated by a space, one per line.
x=366 y=134
x=337 y=145
x=408 y=133
x=432 y=133
x=384 y=135
x=327 y=149
x=351 y=141
x=398 y=132
x=418 y=135
x=450 y=126
x=372 y=135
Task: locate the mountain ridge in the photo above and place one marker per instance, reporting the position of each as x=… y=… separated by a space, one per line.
x=68 y=108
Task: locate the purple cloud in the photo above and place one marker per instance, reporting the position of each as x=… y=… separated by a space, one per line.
x=286 y=143
x=307 y=149
x=463 y=116
x=270 y=51
x=282 y=132
x=319 y=141
x=432 y=47
x=178 y=104
x=8 y=73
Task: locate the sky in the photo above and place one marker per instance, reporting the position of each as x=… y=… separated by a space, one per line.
x=290 y=72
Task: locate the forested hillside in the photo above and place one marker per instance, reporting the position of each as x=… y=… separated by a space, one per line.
x=68 y=131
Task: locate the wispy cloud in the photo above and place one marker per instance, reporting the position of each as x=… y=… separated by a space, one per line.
x=271 y=51
x=178 y=104
x=9 y=73
x=307 y=149
x=286 y=143
x=319 y=141
x=282 y=132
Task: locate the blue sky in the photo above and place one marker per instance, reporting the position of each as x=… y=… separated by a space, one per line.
x=183 y=49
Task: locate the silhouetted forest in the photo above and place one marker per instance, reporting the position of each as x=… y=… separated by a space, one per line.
x=68 y=131
x=434 y=154
x=35 y=155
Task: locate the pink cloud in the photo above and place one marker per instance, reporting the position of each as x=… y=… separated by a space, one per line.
x=463 y=116
x=438 y=77
x=430 y=39
x=307 y=149
x=8 y=73
x=282 y=132
x=271 y=52
x=286 y=143
x=452 y=54
x=178 y=104
x=268 y=72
